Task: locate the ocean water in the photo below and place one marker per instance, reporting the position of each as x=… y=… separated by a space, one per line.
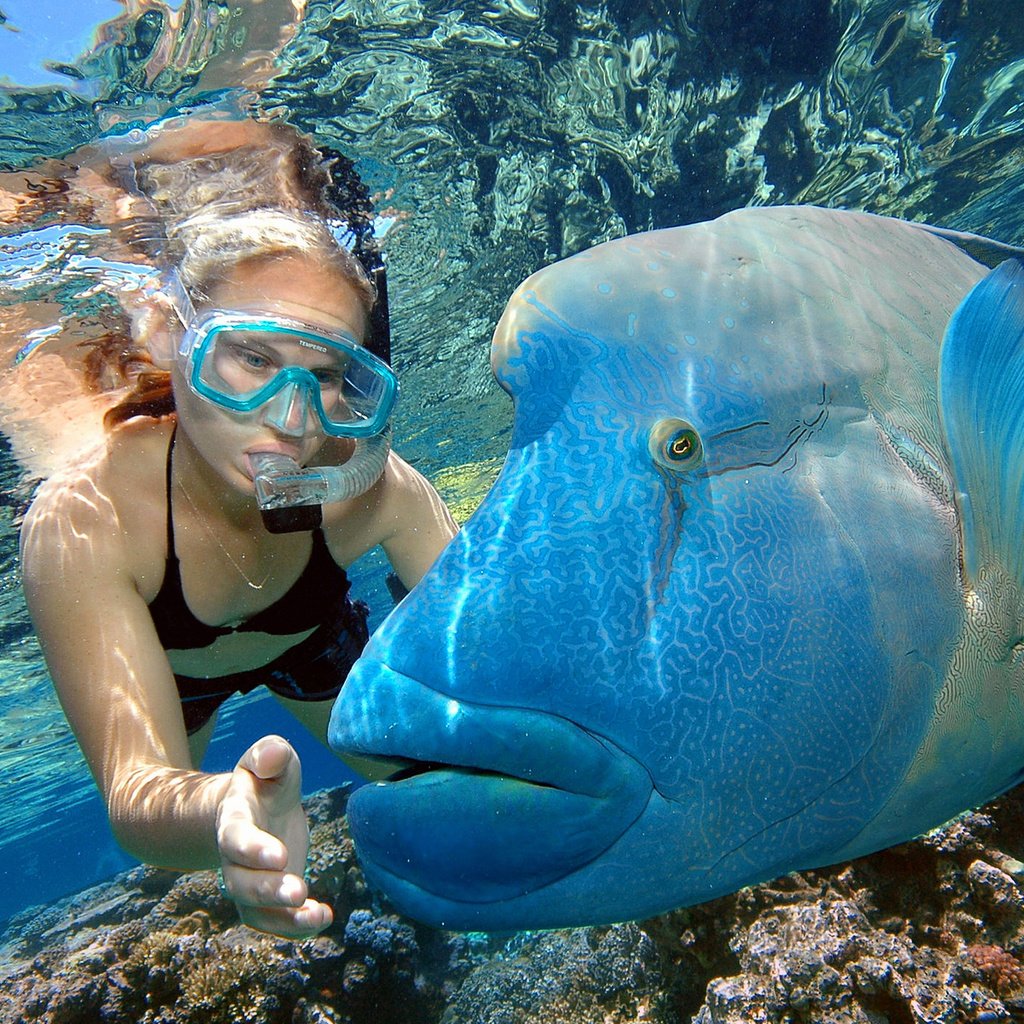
x=502 y=135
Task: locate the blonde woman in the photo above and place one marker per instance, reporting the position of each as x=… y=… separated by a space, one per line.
x=157 y=592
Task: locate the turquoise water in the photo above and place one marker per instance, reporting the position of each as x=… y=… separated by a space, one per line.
x=505 y=135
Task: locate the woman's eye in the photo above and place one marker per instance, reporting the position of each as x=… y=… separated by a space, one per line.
x=332 y=379
x=249 y=358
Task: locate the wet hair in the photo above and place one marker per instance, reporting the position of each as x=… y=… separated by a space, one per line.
x=209 y=243
x=284 y=171
x=220 y=212
x=151 y=395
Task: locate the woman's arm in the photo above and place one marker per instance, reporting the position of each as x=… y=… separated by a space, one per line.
x=415 y=523
x=117 y=690
x=112 y=676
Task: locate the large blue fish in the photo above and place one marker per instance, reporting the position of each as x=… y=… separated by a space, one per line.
x=748 y=594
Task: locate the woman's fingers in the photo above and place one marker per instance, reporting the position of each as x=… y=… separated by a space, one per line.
x=275 y=902
x=263 y=836
x=250 y=887
x=241 y=841
x=261 y=822
x=301 y=923
x=271 y=758
x=276 y=774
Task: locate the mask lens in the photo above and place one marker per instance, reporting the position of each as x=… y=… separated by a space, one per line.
x=240 y=363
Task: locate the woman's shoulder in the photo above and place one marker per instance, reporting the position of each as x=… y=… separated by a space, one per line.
x=136 y=452
x=122 y=462
x=111 y=491
x=405 y=487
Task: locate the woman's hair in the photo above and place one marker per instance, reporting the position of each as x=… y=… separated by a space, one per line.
x=209 y=243
x=279 y=167
x=210 y=246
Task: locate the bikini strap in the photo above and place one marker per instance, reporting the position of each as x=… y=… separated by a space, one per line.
x=172 y=554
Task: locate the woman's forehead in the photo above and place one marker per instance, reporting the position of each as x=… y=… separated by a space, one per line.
x=296 y=287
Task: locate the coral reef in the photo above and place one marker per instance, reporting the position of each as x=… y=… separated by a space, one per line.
x=931 y=932
x=612 y=975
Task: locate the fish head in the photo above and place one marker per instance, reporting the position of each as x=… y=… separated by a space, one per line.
x=654 y=644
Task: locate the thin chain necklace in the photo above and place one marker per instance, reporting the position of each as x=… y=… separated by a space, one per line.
x=227 y=554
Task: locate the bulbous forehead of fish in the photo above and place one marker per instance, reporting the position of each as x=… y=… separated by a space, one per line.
x=660 y=308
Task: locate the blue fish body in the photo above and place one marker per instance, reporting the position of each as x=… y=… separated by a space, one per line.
x=746 y=596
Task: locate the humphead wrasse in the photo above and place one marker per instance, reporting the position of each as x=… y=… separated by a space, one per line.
x=747 y=596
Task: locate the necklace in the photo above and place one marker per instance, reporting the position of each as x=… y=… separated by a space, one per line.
x=227 y=554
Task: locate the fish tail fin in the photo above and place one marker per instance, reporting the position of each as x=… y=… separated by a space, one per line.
x=981 y=402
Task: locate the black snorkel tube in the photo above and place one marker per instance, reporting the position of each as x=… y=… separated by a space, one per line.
x=379 y=340
x=290 y=496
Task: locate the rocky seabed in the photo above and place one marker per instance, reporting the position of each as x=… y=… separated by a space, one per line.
x=930 y=932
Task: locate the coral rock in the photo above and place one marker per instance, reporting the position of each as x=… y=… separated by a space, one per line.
x=930 y=932
x=611 y=975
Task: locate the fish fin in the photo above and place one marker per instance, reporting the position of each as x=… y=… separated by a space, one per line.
x=986 y=251
x=981 y=402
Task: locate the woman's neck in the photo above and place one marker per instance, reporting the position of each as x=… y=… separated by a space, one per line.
x=208 y=492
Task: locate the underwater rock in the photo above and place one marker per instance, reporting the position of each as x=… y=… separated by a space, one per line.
x=598 y=974
x=826 y=960
x=930 y=931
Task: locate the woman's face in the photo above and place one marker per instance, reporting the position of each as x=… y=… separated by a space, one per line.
x=297 y=287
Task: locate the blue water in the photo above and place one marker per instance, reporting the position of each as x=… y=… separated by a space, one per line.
x=505 y=135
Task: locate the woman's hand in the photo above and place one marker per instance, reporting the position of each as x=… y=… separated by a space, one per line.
x=263 y=837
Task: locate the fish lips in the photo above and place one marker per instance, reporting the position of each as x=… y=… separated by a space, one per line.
x=498 y=801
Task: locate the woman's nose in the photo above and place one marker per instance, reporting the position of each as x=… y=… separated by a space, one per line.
x=288 y=411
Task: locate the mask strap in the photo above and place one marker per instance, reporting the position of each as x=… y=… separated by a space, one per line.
x=379 y=340
x=181 y=302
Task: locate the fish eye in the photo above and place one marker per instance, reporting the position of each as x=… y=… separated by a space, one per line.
x=675 y=444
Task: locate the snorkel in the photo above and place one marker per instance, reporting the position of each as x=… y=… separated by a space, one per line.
x=290 y=496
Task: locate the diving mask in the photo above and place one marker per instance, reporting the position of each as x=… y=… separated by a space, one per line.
x=246 y=361
x=287 y=369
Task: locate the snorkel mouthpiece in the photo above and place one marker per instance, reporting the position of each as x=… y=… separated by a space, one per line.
x=290 y=496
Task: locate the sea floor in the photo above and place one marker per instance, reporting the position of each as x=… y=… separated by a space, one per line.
x=930 y=931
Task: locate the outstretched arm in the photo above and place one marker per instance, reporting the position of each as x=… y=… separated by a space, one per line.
x=118 y=692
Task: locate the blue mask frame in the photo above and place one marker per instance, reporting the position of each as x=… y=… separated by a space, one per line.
x=201 y=334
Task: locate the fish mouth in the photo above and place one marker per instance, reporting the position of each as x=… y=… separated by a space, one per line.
x=493 y=802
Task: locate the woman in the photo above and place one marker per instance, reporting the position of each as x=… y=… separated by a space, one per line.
x=154 y=587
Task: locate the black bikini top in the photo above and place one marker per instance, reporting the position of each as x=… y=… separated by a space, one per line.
x=312 y=601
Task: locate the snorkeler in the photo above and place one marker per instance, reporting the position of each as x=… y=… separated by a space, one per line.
x=157 y=592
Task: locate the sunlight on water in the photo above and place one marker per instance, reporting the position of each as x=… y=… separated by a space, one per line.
x=50 y=40
x=501 y=136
